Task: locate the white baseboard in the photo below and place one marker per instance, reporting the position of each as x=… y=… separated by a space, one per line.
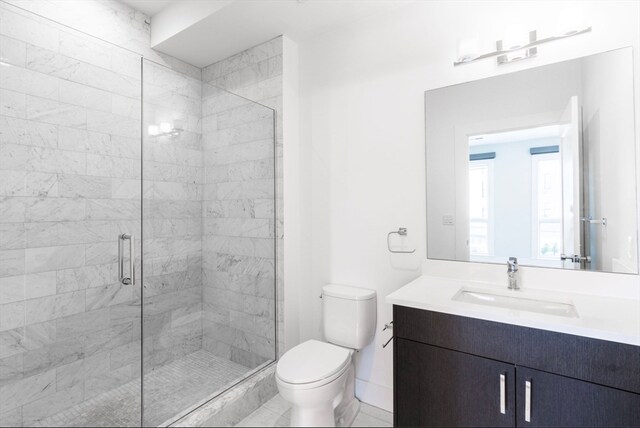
x=376 y=395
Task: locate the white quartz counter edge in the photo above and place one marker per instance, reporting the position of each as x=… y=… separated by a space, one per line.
x=612 y=319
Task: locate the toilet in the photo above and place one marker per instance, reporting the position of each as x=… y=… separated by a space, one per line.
x=318 y=378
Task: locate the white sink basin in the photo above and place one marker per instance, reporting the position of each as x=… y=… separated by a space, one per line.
x=510 y=300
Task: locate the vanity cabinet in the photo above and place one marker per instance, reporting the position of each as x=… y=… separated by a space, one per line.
x=438 y=387
x=562 y=401
x=457 y=371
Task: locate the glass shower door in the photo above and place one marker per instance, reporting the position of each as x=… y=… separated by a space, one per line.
x=80 y=192
x=70 y=180
x=209 y=248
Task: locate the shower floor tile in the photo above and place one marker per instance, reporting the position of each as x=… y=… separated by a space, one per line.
x=168 y=390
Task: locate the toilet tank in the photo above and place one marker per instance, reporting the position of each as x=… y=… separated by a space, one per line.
x=349 y=315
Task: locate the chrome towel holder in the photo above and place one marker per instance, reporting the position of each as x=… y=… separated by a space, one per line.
x=402 y=232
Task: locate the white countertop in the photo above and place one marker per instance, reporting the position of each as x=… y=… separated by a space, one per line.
x=606 y=318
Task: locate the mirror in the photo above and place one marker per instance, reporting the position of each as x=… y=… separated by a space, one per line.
x=538 y=164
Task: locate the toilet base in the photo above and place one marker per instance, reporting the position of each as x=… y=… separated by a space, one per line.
x=345 y=416
x=308 y=411
x=315 y=407
x=321 y=416
x=347 y=410
x=324 y=416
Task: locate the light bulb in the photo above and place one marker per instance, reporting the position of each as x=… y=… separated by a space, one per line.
x=165 y=127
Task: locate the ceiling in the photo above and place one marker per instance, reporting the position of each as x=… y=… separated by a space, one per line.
x=242 y=24
x=149 y=7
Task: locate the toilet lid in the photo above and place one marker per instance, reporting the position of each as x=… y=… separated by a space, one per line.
x=312 y=361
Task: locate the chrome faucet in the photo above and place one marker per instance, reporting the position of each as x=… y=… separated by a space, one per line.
x=512 y=273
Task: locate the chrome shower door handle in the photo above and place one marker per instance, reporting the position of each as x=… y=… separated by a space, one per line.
x=131 y=279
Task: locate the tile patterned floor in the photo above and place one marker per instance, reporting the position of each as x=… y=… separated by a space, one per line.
x=169 y=389
x=276 y=413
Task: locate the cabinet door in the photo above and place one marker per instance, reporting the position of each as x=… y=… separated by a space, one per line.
x=560 y=401
x=439 y=387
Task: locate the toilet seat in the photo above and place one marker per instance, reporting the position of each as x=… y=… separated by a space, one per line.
x=312 y=364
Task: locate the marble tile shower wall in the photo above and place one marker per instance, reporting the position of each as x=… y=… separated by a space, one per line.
x=172 y=217
x=69 y=183
x=239 y=318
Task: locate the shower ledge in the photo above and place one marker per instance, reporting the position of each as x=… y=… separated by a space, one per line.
x=235 y=404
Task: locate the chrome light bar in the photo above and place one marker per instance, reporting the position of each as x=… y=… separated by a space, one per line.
x=530 y=49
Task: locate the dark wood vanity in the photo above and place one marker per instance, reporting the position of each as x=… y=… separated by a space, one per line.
x=452 y=370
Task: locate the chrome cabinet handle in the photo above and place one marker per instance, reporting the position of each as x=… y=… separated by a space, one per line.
x=130 y=280
x=503 y=398
x=527 y=401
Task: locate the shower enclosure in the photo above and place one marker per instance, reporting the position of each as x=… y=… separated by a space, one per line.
x=137 y=241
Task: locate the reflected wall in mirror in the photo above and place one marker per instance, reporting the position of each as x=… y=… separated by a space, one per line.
x=537 y=164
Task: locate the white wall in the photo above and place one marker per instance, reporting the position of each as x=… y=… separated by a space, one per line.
x=290 y=203
x=362 y=138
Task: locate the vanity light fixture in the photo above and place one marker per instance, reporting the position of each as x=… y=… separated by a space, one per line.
x=507 y=54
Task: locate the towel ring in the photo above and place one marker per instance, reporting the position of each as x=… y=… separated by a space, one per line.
x=402 y=232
